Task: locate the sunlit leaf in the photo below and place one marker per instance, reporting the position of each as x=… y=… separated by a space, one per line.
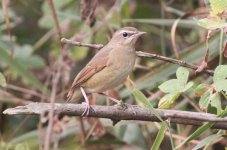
x=170 y=86
x=187 y=86
x=211 y=24
x=204 y=100
x=201 y=89
x=215 y=101
x=182 y=75
x=218 y=6
x=168 y=100
x=220 y=78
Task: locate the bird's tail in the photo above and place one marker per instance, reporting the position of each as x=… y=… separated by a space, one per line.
x=74 y=95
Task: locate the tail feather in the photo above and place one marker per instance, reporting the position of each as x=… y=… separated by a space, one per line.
x=74 y=95
x=70 y=95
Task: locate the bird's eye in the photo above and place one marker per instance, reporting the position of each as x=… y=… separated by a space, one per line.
x=125 y=34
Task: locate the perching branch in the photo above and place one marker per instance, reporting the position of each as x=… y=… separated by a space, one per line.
x=142 y=54
x=117 y=113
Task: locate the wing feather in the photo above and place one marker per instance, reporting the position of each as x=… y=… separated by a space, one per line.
x=99 y=62
x=89 y=71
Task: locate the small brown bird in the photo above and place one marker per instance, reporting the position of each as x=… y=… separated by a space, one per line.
x=108 y=68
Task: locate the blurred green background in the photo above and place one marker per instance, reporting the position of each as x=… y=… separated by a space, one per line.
x=28 y=60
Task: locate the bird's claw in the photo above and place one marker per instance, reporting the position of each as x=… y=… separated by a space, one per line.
x=87 y=109
x=121 y=105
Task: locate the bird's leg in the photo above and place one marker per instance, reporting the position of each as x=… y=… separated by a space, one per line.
x=87 y=108
x=111 y=98
x=122 y=105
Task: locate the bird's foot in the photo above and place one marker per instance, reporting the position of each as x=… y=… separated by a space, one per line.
x=121 y=105
x=87 y=109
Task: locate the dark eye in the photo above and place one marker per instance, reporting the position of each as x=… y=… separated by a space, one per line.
x=125 y=34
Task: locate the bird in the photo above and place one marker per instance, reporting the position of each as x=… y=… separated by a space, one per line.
x=109 y=68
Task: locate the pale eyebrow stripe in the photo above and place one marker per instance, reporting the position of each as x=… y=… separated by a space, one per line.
x=127 y=31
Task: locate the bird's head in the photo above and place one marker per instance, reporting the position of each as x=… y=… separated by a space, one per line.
x=126 y=36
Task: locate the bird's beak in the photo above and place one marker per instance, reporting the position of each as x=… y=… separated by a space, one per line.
x=140 y=33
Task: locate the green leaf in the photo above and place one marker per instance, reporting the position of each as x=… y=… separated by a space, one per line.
x=211 y=24
x=220 y=73
x=159 y=137
x=140 y=97
x=168 y=100
x=221 y=85
x=201 y=89
x=179 y=84
x=187 y=86
x=197 y=133
x=182 y=75
x=2 y=80
x=204 y=100
x=218 y=6
x=21 y=147
x=220 y=78
x=21 y=70
x=201 y=130
x=192 y=54
x=207 y=140
x=215 y=101
x=169 y=86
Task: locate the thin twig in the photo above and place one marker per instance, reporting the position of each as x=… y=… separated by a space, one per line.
x=55 y=79
x=174 y=61
x=8 y=97
x=7 y=20
x=24 y=90
x=52 y=107
x=75 y=43
x=117 y=113
x=142 y=54
x=181 y=138
x=162 y=30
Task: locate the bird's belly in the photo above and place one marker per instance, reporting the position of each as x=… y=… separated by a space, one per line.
x=109 y=78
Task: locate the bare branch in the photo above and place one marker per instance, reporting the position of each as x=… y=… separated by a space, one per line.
x=174 y=61
x=142 y=54
x=75 y=43
x=117 y=113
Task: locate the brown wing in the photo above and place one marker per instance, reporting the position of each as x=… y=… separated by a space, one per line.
x=99 y=62
x=89 y=70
